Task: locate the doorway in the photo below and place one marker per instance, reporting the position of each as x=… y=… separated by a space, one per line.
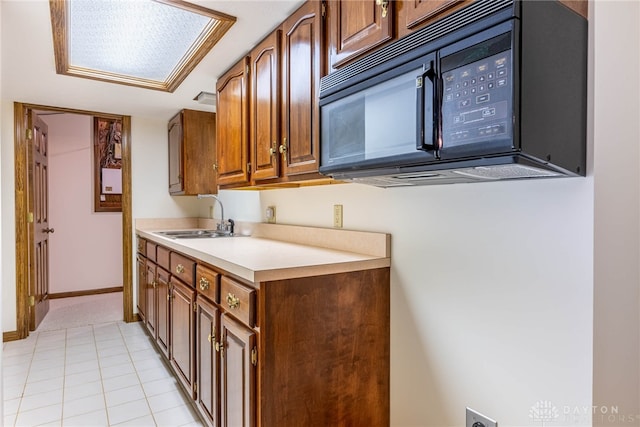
x=25 y=273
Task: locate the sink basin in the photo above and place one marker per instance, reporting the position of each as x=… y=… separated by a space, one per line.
x=192 y=234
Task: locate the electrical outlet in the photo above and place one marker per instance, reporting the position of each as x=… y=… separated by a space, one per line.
x=476 y=419
x=271 y=214
x=337 y=216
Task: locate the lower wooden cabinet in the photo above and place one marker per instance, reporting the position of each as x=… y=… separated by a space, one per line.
x=238 y=361
x=307 y=351
x=142 y=288
x=182 y=333
x=207 y=366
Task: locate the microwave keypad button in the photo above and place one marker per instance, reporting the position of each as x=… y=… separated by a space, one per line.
x=482 y=88
x=481 y=78
x=502 y=72
x=465 y=103
x=490 y=76
x=482 y=98
x=449 y=97
x=473 y=81
x=473 y=90
x=501 y=82
x=490 y=85
x=488 y=112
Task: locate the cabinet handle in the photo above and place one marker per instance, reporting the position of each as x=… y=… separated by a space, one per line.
x=154 y=284
x=272 y=149
x=204 y=284
x=233 y=301
x=220 y=348
x=283 y=147
x=179 y=268
x=212 y=337
x=384 y=4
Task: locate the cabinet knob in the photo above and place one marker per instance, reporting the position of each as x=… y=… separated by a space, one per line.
x=272 y=149
x=212 y=337
x=204 y=284
x=48 y=230
x=233 y=301
x=179 y=268
x=215 y=166
x=283 y=147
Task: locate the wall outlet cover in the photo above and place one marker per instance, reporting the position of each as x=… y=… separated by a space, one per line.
x=337 y=216
x=476 y=419
x=271 y=214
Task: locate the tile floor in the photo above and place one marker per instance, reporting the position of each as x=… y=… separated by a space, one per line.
x=105 y=374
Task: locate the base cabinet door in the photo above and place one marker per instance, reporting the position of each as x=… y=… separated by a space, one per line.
x=162 y=293
x=150 y=298
x=142 y=286
x=238 y=374
x=182 y=333
x=206 y=360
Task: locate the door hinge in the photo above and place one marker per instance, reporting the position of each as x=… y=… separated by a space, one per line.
x=195 y=387
x=32 y=301
x=195 y=307
x=30 y=217
x=254 y=356
x=249 y=168
x=247 y=69
x=29 y=133
x=324 y=9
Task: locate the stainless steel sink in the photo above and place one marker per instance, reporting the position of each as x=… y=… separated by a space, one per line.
x=192 y=234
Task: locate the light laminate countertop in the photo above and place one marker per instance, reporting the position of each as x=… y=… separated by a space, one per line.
x=275 y=252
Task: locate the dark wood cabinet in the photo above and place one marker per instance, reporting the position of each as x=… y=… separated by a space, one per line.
x=238 y=360
x=163 y=299
x=192 y=153
x=207 y=335
x=303 y=63
x=357 y=27
x=265 y=108
x=142 y=283
x=232 y=132
x=182 y=333
x=150 y=298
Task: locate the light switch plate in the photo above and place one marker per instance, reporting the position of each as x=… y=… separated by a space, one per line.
x=476 y=419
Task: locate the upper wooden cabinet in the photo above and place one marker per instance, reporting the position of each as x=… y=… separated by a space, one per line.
x=232 y=134
x=303 y=63
x=357 y=27
x=192 y=153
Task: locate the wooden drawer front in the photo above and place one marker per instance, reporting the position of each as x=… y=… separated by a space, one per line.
x=151 y=251
x=162 y=257
x=183 y=268
x=238 y=300
x=142 y=246
x=208 y=283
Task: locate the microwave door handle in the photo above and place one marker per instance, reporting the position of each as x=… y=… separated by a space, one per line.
x=428 y=110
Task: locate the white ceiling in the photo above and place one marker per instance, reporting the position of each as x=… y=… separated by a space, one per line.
x=28 y=63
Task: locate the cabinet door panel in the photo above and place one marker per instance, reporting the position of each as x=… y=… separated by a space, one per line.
x=419 y=10
x=232 y=130
x=150 y=298
x=176 y=161
x=182 y=322
x=303 y=66
x=265 y=107
x=207 y=362
x=357 y=26
x=237 y=375
x=162 y=293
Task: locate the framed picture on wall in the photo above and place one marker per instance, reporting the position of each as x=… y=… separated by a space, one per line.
x=107 y=165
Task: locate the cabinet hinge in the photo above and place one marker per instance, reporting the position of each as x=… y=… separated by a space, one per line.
x=29 y=133
x=195 y=387
x=247 y=69
x=32 y=301
x=324 y=9
x=30 y=217
x=254 y=356
x=195 y=307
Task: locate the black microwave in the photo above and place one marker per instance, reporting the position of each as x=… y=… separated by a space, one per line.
x=494 y=91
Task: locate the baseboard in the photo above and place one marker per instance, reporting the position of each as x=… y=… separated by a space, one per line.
x=84 y=293
x=10 y=336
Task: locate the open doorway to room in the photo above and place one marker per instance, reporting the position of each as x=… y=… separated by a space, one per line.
x=82 y=269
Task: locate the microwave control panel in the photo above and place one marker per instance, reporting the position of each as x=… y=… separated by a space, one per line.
x=476 y=101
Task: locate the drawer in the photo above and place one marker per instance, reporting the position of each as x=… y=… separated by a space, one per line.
x=142 y=246
x=182 y=267
x=208 y=282
x=238 y=300
x=151 y=251
x=162 y=257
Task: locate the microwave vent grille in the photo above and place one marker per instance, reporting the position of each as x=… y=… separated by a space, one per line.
x=475 y=11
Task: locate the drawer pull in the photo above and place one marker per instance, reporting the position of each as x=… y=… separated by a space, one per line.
x=233 y=301
x=179 y=268
x=212 y=337
x=204 y=284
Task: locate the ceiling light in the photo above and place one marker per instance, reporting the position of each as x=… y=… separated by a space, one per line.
x=206 y=98
x=152 y=44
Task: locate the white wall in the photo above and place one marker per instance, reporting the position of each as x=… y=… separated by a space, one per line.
x=85 y=252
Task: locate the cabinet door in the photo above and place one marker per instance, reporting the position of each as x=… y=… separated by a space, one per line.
x=357 y=26
x=182 y=333
x=142 y=286
x=199 y=152
x=206 y=359
x=162 y=293
x=265 y=108
x=150 y=298
x=419 y=10
x=176 y=161
x=238 y=402
x=302 y=66
x=232 y=131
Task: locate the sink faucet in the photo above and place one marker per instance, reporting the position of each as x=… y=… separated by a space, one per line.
x=222 y=225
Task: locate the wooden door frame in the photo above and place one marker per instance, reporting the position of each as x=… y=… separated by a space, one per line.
x=21 y=145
